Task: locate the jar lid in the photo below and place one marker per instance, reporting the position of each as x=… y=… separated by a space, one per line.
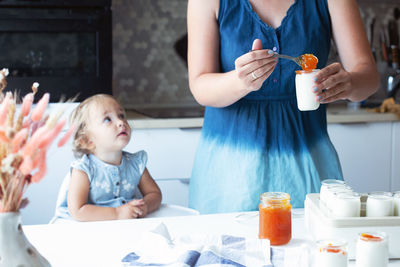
x=274 y=197
x=333 y=182
x=306 y=71
x=380 y=195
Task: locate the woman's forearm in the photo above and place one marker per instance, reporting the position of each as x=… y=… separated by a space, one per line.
x=365 y=82
x=217 y=89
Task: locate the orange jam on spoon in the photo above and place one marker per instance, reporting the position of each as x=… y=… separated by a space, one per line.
x=308 y=62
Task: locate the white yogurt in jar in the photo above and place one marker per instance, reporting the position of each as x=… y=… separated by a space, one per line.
x=346 y=204
x=332 y=193
x=379 y=204
x=326 y=185
x=331 y=253
x=372 y=250
x=305 y=82
x=396 y=203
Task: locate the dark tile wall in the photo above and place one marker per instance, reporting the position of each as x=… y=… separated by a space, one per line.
x=148 y=71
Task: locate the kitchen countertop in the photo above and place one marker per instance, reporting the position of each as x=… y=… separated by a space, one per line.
x=335 y=114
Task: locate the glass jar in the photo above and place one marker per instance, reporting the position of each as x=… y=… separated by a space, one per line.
x=379 y=204
x=275 y=217
x=333 y=192
x=305 y=82
x=331 y=253
x=372 y=250
x=325 y=185
x=346 y=204
x=396 y=203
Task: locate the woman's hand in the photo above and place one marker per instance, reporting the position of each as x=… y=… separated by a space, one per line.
x=333 y=83
x=254 y=67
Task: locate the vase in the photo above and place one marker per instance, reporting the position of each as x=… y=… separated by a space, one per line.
x=15 y=249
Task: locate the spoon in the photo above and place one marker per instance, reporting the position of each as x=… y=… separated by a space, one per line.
x=305 y=61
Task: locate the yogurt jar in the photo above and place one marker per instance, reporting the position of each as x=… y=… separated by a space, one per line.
x=372 y=250
x=305 y=82
x=331 y=253
x=396 y=203
x=332 y=195
x=346 y=204
x=326 y=185
x=379 y=204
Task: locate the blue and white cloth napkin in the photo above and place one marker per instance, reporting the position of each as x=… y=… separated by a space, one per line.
x=157 y=248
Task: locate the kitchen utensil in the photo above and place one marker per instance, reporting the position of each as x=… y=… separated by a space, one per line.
x=295 y=59
x=383 y=42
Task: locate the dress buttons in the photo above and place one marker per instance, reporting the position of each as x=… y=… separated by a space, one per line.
x=275 y=80
x=115 y=196
x=117 y=183
x=123 y=201
x=274 y=48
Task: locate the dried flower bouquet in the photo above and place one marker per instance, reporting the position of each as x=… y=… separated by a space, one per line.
x=24 y=143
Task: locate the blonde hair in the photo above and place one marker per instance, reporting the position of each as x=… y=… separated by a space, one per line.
x=79 y=118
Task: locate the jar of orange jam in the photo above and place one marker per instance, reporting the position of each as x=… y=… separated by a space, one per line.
x=275 y=217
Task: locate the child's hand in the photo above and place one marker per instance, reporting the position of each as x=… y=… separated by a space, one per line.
x=131 y=210
x=141 y=205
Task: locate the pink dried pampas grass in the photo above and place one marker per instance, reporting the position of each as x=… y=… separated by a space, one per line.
x=24 y=144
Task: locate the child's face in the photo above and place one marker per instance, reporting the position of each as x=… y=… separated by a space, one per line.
x=107 y=128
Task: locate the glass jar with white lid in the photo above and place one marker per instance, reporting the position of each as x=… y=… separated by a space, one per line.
x=326 y=185
x=346 y=204
x=333 y=192
x=396 y=203
x=331 y=253
x=372 y=250
x=379 y=204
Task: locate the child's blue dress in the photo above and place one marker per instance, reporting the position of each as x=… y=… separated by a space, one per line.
x=110 y=185
x=263 y=142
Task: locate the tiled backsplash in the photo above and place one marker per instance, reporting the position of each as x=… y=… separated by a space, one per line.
x=148 y=71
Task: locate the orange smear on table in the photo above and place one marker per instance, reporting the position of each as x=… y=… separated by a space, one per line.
x=308 y=62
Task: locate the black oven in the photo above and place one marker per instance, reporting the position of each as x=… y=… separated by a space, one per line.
x=65 y=45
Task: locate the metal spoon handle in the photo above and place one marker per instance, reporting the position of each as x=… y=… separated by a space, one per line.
x=285 y=56
x=295 y=59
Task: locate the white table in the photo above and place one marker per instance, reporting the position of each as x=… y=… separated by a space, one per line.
x=105 y=243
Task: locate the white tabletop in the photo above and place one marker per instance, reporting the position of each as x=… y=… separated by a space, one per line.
x=106 y=243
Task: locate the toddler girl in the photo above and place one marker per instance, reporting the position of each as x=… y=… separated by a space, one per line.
x=105 y=182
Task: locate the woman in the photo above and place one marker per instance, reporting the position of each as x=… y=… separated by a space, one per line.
x=254 y=138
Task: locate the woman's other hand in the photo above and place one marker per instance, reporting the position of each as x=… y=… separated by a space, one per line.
x=254 y=67
x=333 y=83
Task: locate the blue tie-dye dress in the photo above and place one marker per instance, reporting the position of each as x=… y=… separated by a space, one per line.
x=263 y=142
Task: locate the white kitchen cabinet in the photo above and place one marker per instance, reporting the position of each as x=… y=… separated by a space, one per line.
x=170 y=151
x=365 y=153
x=396 y=157
x=175 y=191
x=171 y=154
